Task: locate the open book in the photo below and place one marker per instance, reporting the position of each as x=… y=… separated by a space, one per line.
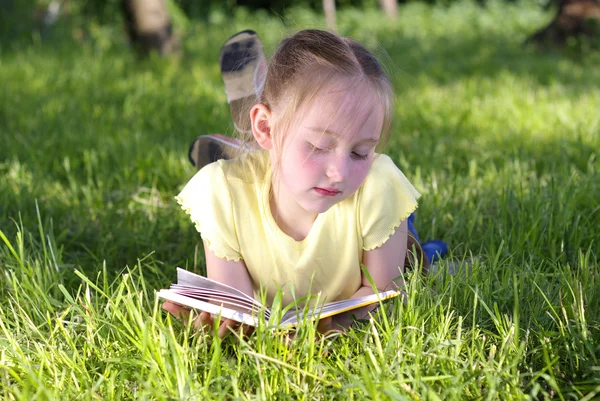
x=204 y=294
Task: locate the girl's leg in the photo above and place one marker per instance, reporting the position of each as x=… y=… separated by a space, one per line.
x=243 y=67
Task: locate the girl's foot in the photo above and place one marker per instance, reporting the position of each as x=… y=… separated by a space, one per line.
x=244 y=69
x=209 y=148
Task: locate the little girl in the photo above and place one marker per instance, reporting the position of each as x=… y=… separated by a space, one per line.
x=314 y=201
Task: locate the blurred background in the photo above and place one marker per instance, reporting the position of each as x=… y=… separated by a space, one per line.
x=496 y=123
x=497 y=105
x=142 y=19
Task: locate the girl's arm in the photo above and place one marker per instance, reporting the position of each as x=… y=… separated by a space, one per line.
x=385 y=265
x=234 y=274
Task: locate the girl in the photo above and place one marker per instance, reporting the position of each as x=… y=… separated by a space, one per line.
x=314 y=201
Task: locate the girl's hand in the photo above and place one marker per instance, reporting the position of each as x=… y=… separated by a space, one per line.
x=205 y=322
x=330 y=325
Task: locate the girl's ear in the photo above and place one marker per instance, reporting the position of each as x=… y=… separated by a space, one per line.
x=260 y=117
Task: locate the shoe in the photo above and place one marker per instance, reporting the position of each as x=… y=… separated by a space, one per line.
x=209 y=148
x=434 y=249
x=244 y=69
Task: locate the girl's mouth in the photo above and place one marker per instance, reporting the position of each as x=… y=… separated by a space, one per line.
x=327 y=191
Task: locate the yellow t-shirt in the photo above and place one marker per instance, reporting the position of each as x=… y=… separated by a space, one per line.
x=229 y=203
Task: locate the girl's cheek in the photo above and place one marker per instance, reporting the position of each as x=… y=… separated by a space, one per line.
x=310 y=159
x=360 y=171
x=362 y=167
x=313 y=165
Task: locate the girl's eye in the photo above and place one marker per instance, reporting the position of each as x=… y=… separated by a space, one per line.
x=316 y=149
x=359 y=156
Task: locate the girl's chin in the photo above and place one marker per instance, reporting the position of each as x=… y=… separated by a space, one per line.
x=319 y=207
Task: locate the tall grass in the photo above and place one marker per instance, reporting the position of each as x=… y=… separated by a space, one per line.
x=501 y=140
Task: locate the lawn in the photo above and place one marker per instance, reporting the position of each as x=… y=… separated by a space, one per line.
x=502 y=140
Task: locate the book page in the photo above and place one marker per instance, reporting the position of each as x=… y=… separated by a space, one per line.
x=219 y=297
x=217 y=300
x=207 y=292
x=292 y=317
x=188 y=278
x=208 y=295
x=216 y=310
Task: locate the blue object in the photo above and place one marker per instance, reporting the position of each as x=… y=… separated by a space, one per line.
x=435 y=249
x=411 y=226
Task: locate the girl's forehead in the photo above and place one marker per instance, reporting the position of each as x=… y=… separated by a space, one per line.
x=339 y=106
x=341 y=118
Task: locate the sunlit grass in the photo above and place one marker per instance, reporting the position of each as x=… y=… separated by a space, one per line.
x=501 y=140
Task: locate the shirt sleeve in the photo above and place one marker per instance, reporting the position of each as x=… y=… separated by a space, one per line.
x=385 y=199
x=206 y=199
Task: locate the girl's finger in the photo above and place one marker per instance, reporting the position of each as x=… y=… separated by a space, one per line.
x=226 y=326
x=325 y=325
x=170 y=307
x=176 y=310
x=247 y=330
x=204 y=321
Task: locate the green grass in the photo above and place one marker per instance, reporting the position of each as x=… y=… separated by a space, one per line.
x=501 y=140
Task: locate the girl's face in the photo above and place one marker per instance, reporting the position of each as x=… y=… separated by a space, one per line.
x=329 y=151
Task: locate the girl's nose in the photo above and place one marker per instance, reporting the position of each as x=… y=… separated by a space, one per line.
x=337 y=170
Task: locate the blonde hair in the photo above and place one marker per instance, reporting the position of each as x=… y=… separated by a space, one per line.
x=309 y=61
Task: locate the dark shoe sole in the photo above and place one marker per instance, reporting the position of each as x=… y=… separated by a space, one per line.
x=207 y=149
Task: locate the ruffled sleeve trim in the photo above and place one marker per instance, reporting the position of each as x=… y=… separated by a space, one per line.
x=391 y=231
x=219 y=253
x=386 y=199
x=206 y=199
x=188 y=210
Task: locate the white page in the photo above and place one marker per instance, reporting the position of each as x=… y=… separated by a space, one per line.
x=213 y=309
x=217 y=297
x=185 y=277
x=195 y=292
x=333 y=308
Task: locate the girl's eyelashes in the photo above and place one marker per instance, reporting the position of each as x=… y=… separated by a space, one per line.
x=355 y=155
x=316 y=149
x=358 y=156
